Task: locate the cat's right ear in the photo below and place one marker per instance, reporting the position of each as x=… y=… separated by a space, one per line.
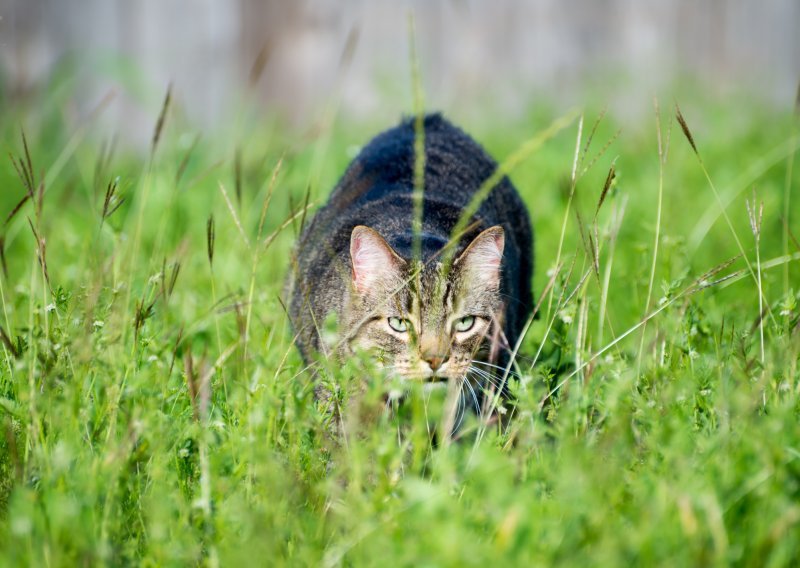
x=372 y=258
x=483 y=257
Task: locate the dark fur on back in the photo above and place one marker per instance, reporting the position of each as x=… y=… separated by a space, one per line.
x=376 y=190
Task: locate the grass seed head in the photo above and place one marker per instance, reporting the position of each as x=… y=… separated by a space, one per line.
x=685 y=128
x=162 y=118
x=349 y=50
x=210 y=240
x=260 y=62
x=237 y=175
x=612 y=174
x=755 y=214
x=111 y=201
x=797 y=101
x=23 y=165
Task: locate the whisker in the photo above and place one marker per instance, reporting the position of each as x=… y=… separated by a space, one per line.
x=488 y=377
x=474 y=397
x=479 y=362
x=493 y=396
x=461 y=405
x=511 y=373
x=482 y=374
x=519 y=356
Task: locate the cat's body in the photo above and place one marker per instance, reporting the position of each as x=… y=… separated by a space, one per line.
x=354 y=259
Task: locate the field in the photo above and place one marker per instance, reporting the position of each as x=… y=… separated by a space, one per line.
x=154 y=411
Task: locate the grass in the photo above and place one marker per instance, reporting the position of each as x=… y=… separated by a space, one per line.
x=154 y=411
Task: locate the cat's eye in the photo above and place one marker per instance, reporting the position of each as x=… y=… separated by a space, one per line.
x=398 y=324
x=464 y=324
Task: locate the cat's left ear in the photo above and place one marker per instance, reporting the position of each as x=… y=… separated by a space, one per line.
x=483 y=257
x=373 y=260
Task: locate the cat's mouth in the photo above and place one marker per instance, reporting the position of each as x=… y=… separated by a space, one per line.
x=435 y=379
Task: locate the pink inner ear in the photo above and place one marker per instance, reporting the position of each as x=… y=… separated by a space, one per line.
x=484 y=256
x=372 y=258
x=488 y=252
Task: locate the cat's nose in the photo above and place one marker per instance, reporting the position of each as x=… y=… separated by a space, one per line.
x=434 y=361
x=433 y=351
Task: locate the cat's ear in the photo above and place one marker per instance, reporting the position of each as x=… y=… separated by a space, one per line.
x=482 y=259
x=372 y=258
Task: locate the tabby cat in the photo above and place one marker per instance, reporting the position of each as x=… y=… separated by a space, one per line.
x=433 y=317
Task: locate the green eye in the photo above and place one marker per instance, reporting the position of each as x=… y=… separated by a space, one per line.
x=398 y=324
x=465 y=323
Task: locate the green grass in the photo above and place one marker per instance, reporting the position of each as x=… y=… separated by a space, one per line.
x=154 y=411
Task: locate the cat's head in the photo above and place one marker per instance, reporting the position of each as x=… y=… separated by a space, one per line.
x=421 y=320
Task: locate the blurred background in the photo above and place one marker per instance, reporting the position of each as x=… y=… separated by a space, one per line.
x=293 y=58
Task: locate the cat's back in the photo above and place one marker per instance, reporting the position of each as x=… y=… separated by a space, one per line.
x=455 y=166
x=378 y=185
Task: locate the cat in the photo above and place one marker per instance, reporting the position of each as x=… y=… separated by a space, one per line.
x=446 y=317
